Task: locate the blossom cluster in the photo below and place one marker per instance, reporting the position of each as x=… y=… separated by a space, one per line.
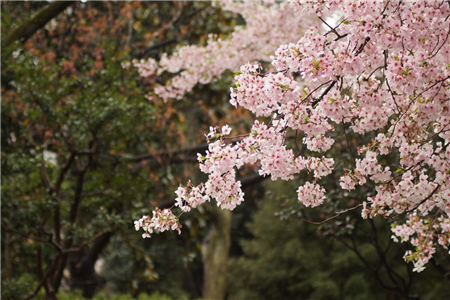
x=382 y=70
x=263 y=32
x=161 y=221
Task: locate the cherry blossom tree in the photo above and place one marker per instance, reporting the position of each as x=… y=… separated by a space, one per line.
x=375 y=69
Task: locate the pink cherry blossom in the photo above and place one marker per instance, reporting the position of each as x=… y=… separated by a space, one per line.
x=382 y=70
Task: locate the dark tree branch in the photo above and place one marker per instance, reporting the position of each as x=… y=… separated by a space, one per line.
x=252 y=179
x=417 y=206
x=39 y=268
x=55 y=193
x=82 y=272
x=63 y=172
x=7 y=255
x=91 y=255
x=392 y=274
x=172 y=156
x=167 y=154
x=77 y=196
x=394 y=281
x=155 y=48
x=317 y=100
x=348 y=144
x=335 y=216
x=37 y=239
x=173 y=24
x=29 y=27
x=321 y=85
x=44 y=280
x=361 y=48
x=45 y=179
x=171 y=161
x=442 y=269
x=354 y=248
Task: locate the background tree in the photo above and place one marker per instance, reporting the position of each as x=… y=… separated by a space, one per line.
x=77 y=129
x=75 y=124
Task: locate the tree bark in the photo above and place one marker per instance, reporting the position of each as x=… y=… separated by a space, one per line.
x=50 y=296
x=82 y=267
x=7 y=255
x=215 y=250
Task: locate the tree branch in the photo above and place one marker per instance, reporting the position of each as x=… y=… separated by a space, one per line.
x=44 y=279
x=335 y=216
x=29 y=27
x=317 y=100
x=55 y=192
x=155 y=47
x=91 y=255
x=417 y=206
x=28 y=236
x=167 y=154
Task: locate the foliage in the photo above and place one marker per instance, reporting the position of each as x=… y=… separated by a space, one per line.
x=295 y=261
x=172 y=266
x=77 y=295
x=75 y=123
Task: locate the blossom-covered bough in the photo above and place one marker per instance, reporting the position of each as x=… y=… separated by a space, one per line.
x=383 y=69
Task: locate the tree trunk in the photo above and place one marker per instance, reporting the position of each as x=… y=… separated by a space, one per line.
x=82 y=271
x=51 y=296
x=216 y=246
x=215 y=250
x=6 y=255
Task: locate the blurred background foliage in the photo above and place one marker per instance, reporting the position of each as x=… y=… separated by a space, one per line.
x=87 y=148
x=289 y=258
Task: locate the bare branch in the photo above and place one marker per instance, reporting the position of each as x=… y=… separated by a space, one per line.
x=167 y=154
x=29 y=27
x=335 y=216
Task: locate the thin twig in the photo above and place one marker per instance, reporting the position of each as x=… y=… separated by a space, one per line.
x=335 y=216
